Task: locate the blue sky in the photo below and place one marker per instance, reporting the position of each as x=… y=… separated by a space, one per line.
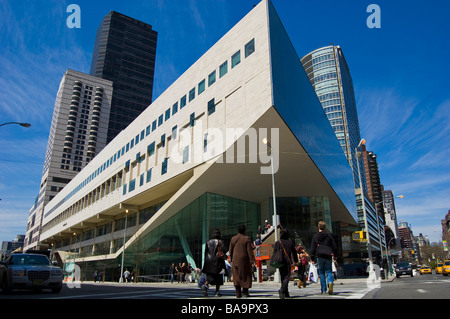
x=400 y=75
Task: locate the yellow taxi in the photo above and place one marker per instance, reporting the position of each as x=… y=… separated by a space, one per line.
x=425 y=270
x=446 y=268
x=439 y=267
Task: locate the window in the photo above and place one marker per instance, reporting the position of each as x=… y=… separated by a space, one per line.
x=164 y=166
x=174 y=132
x=183 y=102
x=149 y=175
x=131 y=143
x=132 y=185
x=191 y=94
x=201 y=87
x=223 y=69
x=167 y=115
x=124 y=189
x=154 y=126
x=212 y=78
x=151 y=149
x=205 y=143
x=163 y=140
x=250 y=48
x=136 y=140
x=147 y=131
x=192 y=119
x=186 y=154
x=138 y=157
x=175 y=108
x=211 y=107
x=160 y=120
x=142 y=135
x=141 y=180
x=236 y=59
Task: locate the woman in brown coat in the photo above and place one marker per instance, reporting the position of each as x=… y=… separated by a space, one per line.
x=242 y=259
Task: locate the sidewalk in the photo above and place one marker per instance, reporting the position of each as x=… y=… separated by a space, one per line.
x=339 y=281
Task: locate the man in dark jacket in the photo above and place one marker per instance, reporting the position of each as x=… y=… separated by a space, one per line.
x=323 y=248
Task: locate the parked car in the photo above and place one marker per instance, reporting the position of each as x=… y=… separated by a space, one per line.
x=403 y=268
x=425 y=270
x=446 y=268
x=30 y=271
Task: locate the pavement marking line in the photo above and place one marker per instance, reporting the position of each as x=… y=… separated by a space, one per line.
x=96 y=295
x=422 y=291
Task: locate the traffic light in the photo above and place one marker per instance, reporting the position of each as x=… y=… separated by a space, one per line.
x=359 y=236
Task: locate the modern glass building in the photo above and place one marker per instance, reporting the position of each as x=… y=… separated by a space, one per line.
x=330 y=76
x=124 y=53
x=195 y=160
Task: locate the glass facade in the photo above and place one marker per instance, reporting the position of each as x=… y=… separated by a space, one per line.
x=181 y=238
x=297 y=103
x=330 y=76
x=300 y=215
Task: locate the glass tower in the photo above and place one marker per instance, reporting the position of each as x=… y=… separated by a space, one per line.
x=124 y=52
x=330 y=76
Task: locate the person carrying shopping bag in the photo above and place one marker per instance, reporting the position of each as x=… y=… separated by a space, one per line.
x=323 y=248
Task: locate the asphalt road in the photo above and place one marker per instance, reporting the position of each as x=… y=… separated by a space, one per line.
x=418 y=287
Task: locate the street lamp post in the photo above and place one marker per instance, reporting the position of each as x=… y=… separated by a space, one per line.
x=277 y=277
x=27 y=125
x=123 y=252
x=369 y=248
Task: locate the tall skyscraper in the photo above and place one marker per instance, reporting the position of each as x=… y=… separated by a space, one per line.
x=77 y=133
x=330 y=76
x=124 y=53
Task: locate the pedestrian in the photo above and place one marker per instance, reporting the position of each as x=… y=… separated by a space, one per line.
x=179 y=272
x=287 y=246
x=183 y=272
x=172 y=272
x=242 y=259
x=323 y=248
x=95 y=276
x=214 y=266
x=266 y=226
x=126 y=275
x=302 y=265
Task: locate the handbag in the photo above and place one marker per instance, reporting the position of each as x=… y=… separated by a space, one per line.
x=276 y=260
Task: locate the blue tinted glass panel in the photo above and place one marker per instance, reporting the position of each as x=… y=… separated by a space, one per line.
x=183 y=102
x=191 y=94
x=211 y=107
x=250 y=48
x=223 y=69
x=212 y=78
x=201 y=87
x=236 y=59
x=167 y=115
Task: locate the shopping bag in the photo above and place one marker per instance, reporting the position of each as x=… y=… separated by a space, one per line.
x=312 y=274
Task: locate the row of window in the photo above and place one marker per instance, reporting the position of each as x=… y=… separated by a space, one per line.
x=199 y=89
